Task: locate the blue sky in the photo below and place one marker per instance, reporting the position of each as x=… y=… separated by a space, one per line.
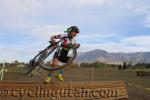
x=111 y=25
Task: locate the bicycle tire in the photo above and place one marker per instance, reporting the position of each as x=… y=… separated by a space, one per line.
x=57 y=67
x=32 y=63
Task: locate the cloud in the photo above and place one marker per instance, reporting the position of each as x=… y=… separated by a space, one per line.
x=25 y=14
x=109 y=46
x=138 y=40
x=141 y=8
x=47 y=30
x=126 y=44
x=92 y=2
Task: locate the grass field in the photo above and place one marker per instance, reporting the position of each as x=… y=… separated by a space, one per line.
x=138 y=86
x=135 y=84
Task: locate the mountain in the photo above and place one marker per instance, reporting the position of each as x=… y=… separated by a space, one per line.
x=115 y=58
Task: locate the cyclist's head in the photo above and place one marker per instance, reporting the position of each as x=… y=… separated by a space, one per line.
x=73 y=31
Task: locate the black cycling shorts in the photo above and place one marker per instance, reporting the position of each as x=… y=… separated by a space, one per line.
x=62 y=56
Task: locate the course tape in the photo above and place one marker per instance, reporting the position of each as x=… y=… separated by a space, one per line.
x=138 y=86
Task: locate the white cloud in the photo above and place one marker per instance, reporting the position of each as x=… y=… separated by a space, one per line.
x=19 y=7
x=127 y=44
x=138 y=40
x=97 y=35
x=23 y=52
x=92 y=2
x=141 y=8
x=110 y=47
x=47 y=30
x=25 y=13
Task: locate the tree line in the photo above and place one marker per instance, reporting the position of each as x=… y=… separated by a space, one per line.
x=135 y=66
x=14 y=63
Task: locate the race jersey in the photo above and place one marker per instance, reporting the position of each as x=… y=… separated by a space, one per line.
x=66 y=42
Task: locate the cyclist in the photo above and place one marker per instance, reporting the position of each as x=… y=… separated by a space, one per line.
x=68 y=43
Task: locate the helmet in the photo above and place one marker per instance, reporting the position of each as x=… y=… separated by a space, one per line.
x=72 y=29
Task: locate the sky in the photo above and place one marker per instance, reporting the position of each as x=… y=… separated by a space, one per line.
x=112 y=25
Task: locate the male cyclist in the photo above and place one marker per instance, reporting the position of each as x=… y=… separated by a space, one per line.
x=68 y=43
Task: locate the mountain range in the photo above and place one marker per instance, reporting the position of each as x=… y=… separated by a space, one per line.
x=113 y=58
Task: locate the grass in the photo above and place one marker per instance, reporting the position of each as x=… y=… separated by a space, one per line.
x=77 y=74
x=103 y=74
x=85 y=74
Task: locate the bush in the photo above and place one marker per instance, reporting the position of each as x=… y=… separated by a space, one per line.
x=120 y=67
x=124 y=65
x=97 y=64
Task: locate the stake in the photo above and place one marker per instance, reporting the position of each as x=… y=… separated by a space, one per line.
x=92 y=73
x=2 y=71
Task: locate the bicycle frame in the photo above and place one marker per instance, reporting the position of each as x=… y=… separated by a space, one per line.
x=33 y=63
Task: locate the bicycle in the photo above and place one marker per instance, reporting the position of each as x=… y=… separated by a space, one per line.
x=40 y=59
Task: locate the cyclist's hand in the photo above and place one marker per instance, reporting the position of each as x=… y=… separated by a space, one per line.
x=77 y=45
x=53 y=43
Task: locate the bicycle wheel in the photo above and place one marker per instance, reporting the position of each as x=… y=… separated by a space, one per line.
x=31 y=66
x=43 y=65
x=34 y=62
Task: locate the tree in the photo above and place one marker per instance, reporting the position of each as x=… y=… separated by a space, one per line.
x=16 y=62
x=129 y=65
x=85 y=65
x=120 y=67
x=124 y=65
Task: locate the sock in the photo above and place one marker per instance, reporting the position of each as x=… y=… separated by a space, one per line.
x=50 y=75
x=60 y=72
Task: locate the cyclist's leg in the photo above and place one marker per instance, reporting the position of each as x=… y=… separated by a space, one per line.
x=62 y=57
x=55 y=62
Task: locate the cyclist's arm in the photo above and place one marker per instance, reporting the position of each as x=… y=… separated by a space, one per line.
x=54 y=37
x=60 y=36
x=74 y=44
